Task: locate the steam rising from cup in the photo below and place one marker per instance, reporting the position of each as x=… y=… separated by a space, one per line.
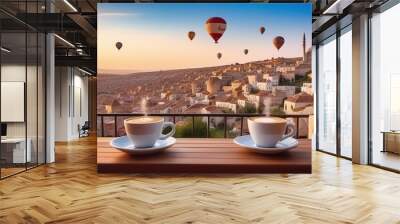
x=143 y=105
x=267 y=109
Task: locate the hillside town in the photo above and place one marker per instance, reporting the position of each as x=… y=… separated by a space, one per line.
x=277 y=86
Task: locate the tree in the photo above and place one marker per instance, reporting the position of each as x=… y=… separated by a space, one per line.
x=185 y=130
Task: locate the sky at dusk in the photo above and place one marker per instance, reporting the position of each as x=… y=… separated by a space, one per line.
x=154 y=36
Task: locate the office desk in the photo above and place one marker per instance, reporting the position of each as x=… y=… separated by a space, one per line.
x=15 y=148
x=391 y=141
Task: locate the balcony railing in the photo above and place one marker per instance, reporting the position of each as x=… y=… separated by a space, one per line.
x=114 y=119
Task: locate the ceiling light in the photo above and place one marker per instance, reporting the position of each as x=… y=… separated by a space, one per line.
x=337 y=7
x=5 y=50
x=84 y=71
x=70 y=5
x=64 y=40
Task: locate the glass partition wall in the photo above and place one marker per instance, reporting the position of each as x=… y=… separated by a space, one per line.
x=326 y=95
x=385 y=89
x=22 y=98
x=334 y=94
x=346 y=95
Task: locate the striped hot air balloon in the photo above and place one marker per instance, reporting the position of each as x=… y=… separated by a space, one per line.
x=215 y=26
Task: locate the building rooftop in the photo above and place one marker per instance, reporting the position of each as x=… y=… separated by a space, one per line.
x=213 y=109
x=195 y=108
x=301 y=97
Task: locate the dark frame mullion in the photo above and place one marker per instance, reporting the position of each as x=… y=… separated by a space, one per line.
x=26 y=87
x=0 y=96
x=369 y=80
x=338 y=95
x=44 y=79
x=73 y=91
x=316 y=97
x=37 y=91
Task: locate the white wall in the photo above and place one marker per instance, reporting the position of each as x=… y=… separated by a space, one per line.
x=71 y=103
x=10 y=73
x=33 y=127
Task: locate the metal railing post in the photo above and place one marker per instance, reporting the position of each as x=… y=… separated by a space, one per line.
x=102 y=125
x=115 y=126
x=208 y=126
x=192 y=126
x=241 y=126
x=297 y=127
x=225 y=124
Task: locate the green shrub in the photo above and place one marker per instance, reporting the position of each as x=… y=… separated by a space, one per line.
x=200 y=129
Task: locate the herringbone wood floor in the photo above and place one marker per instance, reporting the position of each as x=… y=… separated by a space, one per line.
x=71 y=191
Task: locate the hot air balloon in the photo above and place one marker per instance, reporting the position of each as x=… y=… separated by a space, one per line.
x=219 y=55
x=246 y=51
x=215 y=26
x=278 y=42
x=191 y=35
x=262 y=30
x=118 y=45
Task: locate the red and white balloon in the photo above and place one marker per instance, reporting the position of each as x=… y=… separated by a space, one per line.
x=215 y=26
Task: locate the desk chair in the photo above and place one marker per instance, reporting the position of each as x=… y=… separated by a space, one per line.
x=84 y=130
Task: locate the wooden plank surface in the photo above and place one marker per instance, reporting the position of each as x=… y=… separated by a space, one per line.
x=204 y=156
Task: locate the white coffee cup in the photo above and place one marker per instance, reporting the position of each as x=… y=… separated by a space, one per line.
x=144 y=131
x=268 y=131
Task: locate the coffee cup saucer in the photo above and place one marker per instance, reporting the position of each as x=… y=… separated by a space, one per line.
x=124 y=144
x=282 y=146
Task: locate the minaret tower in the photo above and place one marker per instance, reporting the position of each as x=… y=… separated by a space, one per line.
x=304 y=47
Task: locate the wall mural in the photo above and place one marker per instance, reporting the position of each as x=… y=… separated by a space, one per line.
x=204 y=58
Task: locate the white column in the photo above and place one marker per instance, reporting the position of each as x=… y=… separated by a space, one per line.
x=314 y=86
x=360 y=90
x=50 y=100
x=63 y=100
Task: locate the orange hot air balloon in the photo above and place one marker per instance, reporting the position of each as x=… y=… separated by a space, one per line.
x=118 y=45
x=219 y=55
x=262 y=30
x=191 y=35
x=246 y=51
x=215 y=26
x=278 y=42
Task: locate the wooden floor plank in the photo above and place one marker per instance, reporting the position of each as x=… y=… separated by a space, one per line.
x=71 y=191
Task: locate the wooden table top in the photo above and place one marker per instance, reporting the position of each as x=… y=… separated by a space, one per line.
x=202 y=155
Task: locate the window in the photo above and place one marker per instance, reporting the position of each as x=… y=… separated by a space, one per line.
x=385 y=89
x=346 y=92
x=327 y=96
x=22 y=78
